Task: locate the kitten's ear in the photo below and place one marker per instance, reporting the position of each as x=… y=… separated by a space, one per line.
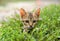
x=37 y=12
x=22 y=12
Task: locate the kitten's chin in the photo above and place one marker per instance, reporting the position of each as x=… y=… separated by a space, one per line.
x=30 y=29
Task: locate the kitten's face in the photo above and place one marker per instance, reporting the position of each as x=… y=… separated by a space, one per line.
x=29 y=19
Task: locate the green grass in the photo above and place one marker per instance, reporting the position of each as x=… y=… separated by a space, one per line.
x=47 y=29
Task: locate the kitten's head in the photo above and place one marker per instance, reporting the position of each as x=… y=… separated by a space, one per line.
x=29 y=19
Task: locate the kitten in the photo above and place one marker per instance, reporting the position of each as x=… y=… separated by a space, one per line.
x=29 y=19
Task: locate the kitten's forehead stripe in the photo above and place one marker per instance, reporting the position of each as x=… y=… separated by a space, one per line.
x=30 y=15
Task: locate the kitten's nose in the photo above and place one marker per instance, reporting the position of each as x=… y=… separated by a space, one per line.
x=30 y=26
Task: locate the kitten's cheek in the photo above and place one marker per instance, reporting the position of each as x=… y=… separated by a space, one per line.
x=34 y=24
x=26 y=25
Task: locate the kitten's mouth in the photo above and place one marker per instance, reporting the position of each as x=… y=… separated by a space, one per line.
x=30 y=28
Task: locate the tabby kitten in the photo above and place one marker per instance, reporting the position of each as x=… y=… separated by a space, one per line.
x=29 y=19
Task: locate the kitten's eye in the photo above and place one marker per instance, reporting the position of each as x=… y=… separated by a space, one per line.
x=27 y=21
x=34 y=21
